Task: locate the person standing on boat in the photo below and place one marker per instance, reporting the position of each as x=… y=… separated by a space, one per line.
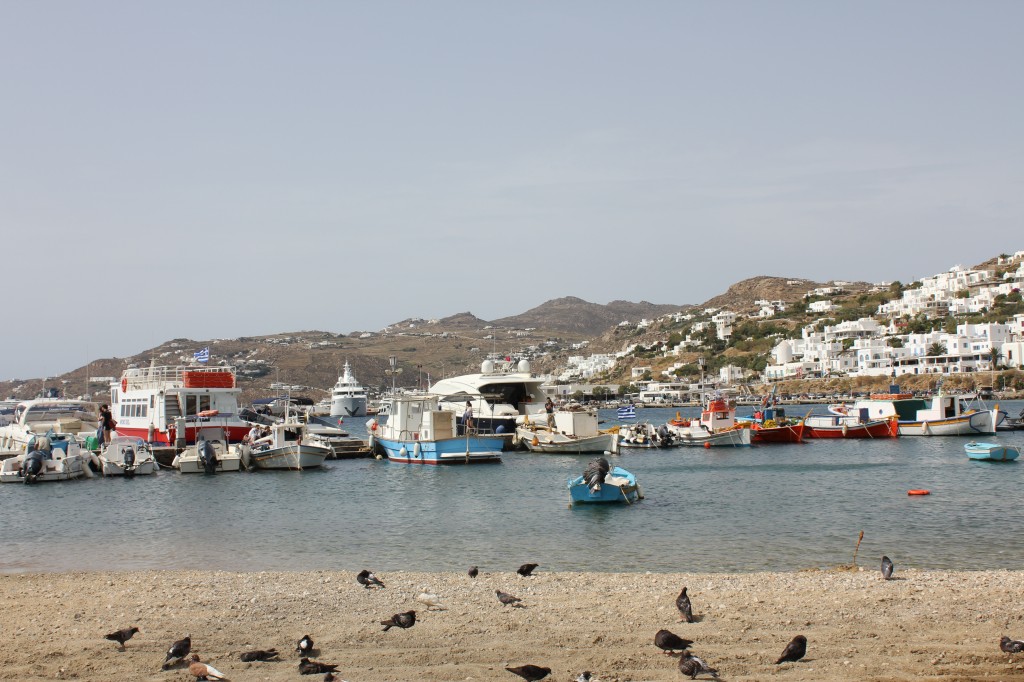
x=467 y=417
x=549 y=407
x=107 y=423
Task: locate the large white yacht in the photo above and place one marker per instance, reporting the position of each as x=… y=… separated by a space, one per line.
x=502 y=392
x=348 y=398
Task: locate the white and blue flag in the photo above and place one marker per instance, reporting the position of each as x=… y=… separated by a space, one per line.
x=202 y=355
x=626 y=412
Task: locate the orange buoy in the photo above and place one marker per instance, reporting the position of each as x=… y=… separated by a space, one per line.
x=919 y=492
x=707 y=444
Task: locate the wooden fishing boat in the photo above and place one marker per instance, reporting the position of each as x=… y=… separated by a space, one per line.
x=716 y=427
x=991 y=452
x=418 y=431
x=573 y=431
x=600 y=484
x=839 y=426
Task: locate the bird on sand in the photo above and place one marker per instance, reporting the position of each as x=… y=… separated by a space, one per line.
x=530 y=673
x=402 y=620
x=584 y=676
x=259 y=655
x=368 y=580
x=693 y=666
x=305 y=645
x=203 y=671
x=794 y=651
x=308 y=667
x=178 y=651
x=122 y=635
x=431 y=600
x=685 y=609
x=329 y=677
x=526 y=569
x=506 y=598
x=473 y=571
x=887 y=568
x=669 y=641
x=1011 y=646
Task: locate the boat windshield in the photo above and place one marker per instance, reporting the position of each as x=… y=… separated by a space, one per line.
x=49 y=412
x=509 y=394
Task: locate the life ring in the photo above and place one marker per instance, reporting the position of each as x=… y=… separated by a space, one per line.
x=373 y=425
x=919 y=492
x=124 y=385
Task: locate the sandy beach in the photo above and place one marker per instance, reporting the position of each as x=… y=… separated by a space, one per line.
x=919 y=626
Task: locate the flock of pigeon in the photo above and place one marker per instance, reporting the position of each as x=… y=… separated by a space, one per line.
x=690 y=665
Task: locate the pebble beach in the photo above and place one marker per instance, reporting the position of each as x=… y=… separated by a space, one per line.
x=921 y=625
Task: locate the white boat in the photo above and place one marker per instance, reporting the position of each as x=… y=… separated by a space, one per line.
x=77 y=418
x=418 y=431
x=126 y=456
x=166 y=406
x=574 y=431
x=348 y=398
x=210 y=454
x=716 y=427
x=942 y=415
x=284 y=447
x=644 y=435
x=59 y=459
x=500 y=394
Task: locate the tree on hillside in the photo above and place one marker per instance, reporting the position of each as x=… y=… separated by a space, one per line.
x=937 y=348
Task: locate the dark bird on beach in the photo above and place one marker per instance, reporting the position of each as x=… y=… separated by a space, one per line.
x=178 y=651
x=669 y=641
x=402 y=620
x=305 y=645
x=329 y=677
x=473 y=571
x=1011 y=646
x=308 y=667
x=794 y=651
x=530 y=673
x=526 y=569
x=506 y=598
x=584 y=676
x=203 y=671
x=685 y=609
x=693 y=666
x=259 y=655
x=368 y=580
x=887 y=568
x=121 y=636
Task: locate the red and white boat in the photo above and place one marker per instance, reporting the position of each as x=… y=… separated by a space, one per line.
x=716 y=427
x=848 y=426
x=163 y=404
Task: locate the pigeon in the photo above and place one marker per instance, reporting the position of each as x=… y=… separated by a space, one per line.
x=402 y=620
x=685 y=609
x=368 y=580
x=203 y=671
x=259 y=655
x=308 y=667
x=530 y=673
x=473 y=571
x=506 y=598
x=1011 y=646
x=886 y=568
x=329 y=677
x=692 y=665
x=794 y=651
x=431 y=600
x=584 y=676
x=305 y=645
x=178 y=651
x=121 y=636
x=669 y=641
x=526 y=569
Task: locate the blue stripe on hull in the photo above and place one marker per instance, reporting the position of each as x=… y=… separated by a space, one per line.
x=433 y=452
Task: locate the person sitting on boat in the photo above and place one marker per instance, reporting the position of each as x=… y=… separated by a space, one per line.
x=549 y=407
x=253 y=434
x=467 y=416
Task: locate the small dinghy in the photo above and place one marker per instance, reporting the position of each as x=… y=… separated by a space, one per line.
x=991 y=452
x=601 y=483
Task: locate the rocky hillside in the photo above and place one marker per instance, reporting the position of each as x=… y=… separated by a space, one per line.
x=740 y=296
x=574 y=315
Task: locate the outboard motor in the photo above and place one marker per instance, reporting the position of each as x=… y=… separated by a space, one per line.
x=33 y=466
x=128 y=457
x=664 y=435
x=207 y=455
x=595 y=473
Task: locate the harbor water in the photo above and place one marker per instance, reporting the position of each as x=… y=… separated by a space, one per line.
x=772 y=507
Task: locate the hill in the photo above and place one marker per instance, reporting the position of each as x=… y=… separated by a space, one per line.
x=574 y=315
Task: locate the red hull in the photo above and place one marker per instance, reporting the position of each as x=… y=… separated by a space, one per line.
x=160 y=438
x=792 y=433
x=877 y=429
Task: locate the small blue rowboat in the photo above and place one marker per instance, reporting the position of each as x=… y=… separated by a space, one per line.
x=618 y=486
x=991 y=452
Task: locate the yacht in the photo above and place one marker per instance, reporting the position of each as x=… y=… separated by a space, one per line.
x=348 y=398
x=500 y=395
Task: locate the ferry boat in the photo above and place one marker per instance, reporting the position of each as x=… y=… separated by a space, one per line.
x=163 y=405
x=943 y=415
x=348 y=398
x=500 y=395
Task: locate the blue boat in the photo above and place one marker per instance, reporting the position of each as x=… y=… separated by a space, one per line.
x=991 y=452
x=418 y=432
x=603 y=485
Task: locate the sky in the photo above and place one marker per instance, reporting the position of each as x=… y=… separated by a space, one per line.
x=213 y=170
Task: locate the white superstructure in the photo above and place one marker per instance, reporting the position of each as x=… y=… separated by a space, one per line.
x=348 y=398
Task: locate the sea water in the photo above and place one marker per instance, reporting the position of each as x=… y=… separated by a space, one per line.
x=769 y=507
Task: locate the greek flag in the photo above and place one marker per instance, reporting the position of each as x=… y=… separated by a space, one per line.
x=627 y=412
x=202 y=355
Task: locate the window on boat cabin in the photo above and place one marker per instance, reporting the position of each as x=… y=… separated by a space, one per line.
x=194 y=404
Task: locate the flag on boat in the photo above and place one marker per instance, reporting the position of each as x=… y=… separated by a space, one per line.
x=627 y=412
x=202 y=355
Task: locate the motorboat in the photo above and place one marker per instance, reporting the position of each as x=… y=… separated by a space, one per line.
x=47 y=458
x=570 y=431
x=1008 y=423
x=645 y=435
x=991 y=452
x=78 y=419
x=771 y=425
x=942 y=415
x=210 y=454
x=348 y=398
x=285 y=446
x=127 y=456
x=601 y=484
x=716 y=427
x=418 y=431
x=502 y=393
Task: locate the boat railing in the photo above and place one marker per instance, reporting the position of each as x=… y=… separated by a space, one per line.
x=168 y=377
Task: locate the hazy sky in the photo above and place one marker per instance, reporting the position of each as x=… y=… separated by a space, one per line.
x=217 y=169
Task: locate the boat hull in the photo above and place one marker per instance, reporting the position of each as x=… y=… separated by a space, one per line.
x=991 y=452
x=192 y=465
x=556 y=443
x=144 y=468
x=837 y=426
x=63 y=469
x=971 y=424
x=348 y=407
x=697 y=437
x=789 y=433
x=459 y=450
x=291 y=456
x=620 y=486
